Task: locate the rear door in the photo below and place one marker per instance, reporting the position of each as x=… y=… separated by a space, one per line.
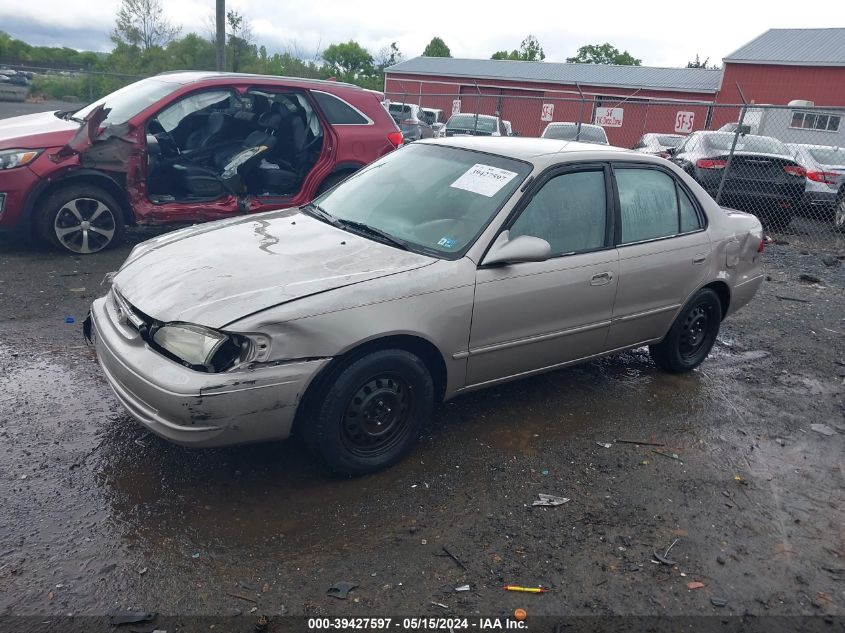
x=663 y=252
x=535 y=315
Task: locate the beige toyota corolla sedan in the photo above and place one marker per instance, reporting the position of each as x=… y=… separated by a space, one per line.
x=447 y=266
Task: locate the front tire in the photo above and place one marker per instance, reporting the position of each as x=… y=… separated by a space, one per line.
x=692 y=334
x=369 y=415
x=80 y=219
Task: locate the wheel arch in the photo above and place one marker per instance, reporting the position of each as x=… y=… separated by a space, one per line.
x=417 y=345
x=723 y=291
x=77 y=177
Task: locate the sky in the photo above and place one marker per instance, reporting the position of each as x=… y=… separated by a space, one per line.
x=658 y=32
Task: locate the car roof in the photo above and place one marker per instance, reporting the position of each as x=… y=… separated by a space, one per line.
x=530 y=149
x=197 y=76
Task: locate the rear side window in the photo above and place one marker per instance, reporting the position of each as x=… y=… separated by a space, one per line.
x=689 y=216
x=337 y=111
x=652 y=205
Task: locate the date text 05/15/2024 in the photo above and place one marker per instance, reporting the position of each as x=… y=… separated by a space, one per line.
x=416 y=624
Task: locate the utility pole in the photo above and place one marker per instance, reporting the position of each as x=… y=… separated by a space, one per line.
x=221 y=35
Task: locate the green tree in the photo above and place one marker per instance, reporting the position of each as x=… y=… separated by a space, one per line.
x=603 y=54
x=437 y=48
x=349 y=60
x=241 y=49
x=192 y=52
x=388 y=56
x=698 y=63
x=141 y=23
x=529 y=51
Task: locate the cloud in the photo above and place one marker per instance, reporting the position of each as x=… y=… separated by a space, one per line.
x=666 y=34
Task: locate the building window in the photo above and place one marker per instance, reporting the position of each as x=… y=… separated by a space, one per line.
x=812 y=121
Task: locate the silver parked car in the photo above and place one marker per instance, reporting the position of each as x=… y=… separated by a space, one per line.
x=825 y=167
x=346 y=320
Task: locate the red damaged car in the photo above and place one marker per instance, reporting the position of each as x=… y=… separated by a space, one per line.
x=184 y=147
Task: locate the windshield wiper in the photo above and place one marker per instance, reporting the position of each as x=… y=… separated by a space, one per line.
x=315 y=210
x=383 y=236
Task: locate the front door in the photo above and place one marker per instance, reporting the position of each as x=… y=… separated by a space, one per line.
x=663 y=253
x=536 y=315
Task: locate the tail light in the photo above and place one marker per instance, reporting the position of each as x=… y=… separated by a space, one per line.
x=762 y=245
x=795 y=170
x=711 y=163
x=826 y=177
x=395 y=138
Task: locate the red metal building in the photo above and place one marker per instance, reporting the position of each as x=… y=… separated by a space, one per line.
x=777 y=67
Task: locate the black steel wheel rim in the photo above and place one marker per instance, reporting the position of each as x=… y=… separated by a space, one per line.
x=695 y=330
x=378 y=415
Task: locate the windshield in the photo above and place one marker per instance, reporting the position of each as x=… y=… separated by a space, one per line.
x=747 y=143
x=669 y=141
x=567 y=132
x=828 y=155
x=440 y=214
x=467 y=122
x=125 y=103
x=430 y=117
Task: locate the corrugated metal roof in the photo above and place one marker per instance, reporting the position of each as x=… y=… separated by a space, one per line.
x=647 y=77
x=794 y=47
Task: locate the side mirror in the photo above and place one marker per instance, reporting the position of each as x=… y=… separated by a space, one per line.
x=524 y=248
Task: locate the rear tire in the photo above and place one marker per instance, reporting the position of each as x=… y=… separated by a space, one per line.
x=80 y=219
x=367 y=415
x=692 y=334
x=778 y=220
x=839 y=213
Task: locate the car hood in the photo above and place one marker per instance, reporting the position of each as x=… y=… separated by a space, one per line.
x=215 y=274
x=34 y=131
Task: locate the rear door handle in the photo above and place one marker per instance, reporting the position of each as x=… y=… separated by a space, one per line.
x=601 y=279
x=699 y=259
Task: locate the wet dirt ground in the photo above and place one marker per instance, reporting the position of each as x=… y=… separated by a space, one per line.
x=98 y=515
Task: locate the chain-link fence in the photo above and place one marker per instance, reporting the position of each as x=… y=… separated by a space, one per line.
x=785 y=164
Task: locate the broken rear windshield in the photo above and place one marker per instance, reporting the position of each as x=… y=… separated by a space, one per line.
x=125 y=103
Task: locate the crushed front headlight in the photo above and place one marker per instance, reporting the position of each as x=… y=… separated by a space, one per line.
x=11 y=158
x=200 y=348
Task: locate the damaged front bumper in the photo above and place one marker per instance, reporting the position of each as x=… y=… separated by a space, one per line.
x=194 y=408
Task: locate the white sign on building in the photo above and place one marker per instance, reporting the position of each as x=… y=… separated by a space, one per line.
x=609 y=117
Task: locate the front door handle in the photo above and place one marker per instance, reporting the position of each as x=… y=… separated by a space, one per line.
x=699 y=259
x=601 y=279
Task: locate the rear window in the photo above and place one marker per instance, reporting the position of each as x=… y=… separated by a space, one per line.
x=337 y=111
x=669 y=141
x=467 y=122
x=568 y=132
x=828 y=155
x=747 y=143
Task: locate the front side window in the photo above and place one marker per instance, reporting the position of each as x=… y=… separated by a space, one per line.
x=440 y=214
x=569 y=212
x=648 y=204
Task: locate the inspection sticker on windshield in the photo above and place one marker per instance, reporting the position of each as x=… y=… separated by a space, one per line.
x=484 y=179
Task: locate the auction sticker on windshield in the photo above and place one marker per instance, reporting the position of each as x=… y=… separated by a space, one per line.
x=484 y=179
